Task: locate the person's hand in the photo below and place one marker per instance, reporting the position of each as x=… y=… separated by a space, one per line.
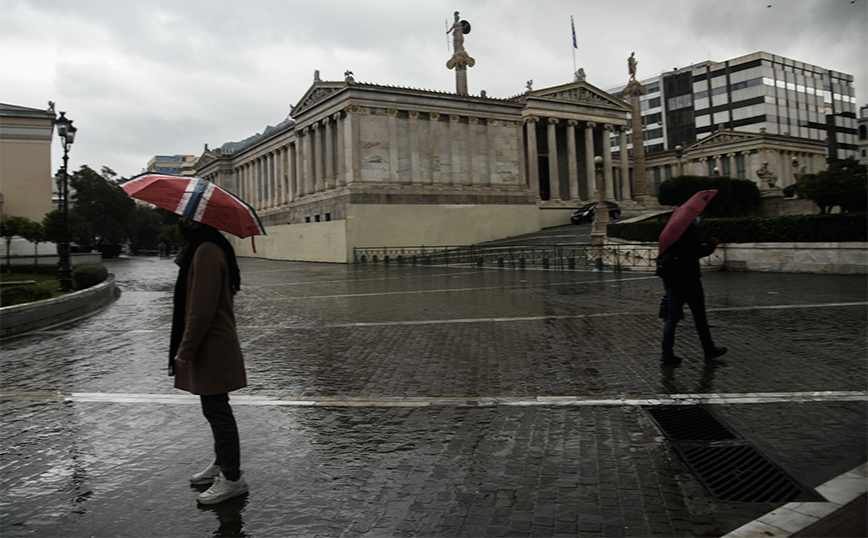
x=181 y=364
x=715 y=240
x=180 y=255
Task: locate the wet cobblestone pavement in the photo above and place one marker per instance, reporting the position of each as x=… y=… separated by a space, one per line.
x=429 y=401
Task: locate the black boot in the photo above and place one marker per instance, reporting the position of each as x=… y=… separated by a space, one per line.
x=670 y=359
x=715 y=352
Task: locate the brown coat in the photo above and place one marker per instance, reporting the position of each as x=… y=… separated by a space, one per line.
x=210 y=339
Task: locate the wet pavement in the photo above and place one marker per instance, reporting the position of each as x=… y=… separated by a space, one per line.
x=429 y=401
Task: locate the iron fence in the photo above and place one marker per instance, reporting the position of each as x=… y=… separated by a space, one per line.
x=616 y=256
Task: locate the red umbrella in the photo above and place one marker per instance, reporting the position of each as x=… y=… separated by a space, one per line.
x=682 y=217
x=197 y=199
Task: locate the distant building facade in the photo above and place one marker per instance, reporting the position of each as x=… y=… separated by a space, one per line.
x=863 y=134
x=756 y=92
x=181 y=165
x=360 y=165
x=26 y=181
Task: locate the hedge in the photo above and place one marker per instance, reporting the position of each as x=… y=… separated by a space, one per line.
x=86 y=276
x=22 y=294
x=822 y=228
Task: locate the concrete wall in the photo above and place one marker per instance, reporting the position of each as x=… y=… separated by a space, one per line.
x=21 y=318
x=832 y=258
x=549 y=218
x=375 y=225
x=309 y=242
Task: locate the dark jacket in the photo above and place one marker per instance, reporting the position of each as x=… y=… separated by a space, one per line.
x=679 y=264
x=210 y=340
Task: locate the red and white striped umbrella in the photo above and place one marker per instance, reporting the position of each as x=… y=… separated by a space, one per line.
x=197 y=199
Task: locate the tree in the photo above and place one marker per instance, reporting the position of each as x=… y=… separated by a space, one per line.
x=9 y=228
x=52 y=228
x=844 y=184
x=104 y=207
x=147 y=226
x=34 y=233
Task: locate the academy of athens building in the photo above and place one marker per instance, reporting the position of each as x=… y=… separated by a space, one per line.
x=364 y=165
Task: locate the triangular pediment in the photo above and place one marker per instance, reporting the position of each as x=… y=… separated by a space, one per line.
x=579 y=92
x=725 y=137
x=316 y=93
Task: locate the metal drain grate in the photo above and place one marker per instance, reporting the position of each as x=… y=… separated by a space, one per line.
x=727 y=465
x=689 y=423
x=743 y=474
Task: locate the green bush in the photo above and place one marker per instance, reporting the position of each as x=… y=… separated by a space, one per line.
x=841 y=227
x=41 y=269
x=86 y=276
x=23 y=294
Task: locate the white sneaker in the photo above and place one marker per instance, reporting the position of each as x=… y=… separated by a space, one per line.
x=223 y=489
x=207 y=476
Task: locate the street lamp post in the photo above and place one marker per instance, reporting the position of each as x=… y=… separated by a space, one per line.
x=601 y=211
x=66 y=132
x=679 y=151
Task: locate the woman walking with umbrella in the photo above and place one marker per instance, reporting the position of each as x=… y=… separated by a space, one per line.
x=205 y=353
x=681 y=247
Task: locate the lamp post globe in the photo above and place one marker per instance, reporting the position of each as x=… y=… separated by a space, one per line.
x=66 y=132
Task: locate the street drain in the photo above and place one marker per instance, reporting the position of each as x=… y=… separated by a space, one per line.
x=725 y=463
x=689 y=423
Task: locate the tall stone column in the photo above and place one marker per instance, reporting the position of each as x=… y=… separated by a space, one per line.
x=532 y=155
x=473 y=149
x=307 y=143
x=554 y=176
x=626 y=191
x=317 y=156
x=352 y=146
x=455 y=149
x=434 y=128
x=340 y=161
x=607 y=162
x=394 y=177
x=329 y=154
x=491 y=138
x=634 y=91
x=572 y=160
x=415 y=158
x=590 y=173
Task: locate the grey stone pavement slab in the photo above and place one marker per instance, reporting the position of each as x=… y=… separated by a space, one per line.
x=429 y=401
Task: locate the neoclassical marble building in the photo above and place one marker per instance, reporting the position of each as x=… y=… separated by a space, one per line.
x=362 y=164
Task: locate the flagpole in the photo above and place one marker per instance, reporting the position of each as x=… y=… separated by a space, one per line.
x=575 y=46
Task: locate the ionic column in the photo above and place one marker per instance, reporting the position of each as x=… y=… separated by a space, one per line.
x=572 y=160
x=298 y=169
x=491 y=136
x=590 y=174
x=393 y=145
x=341 y=165
x=307 y=168
x=329 y=154
x=554 y=177
x=607 y=162
x=532 y=155
x=317 y=155
x=455 y=150
x=415 y=158
x=352 y=151
x=434 y=126
x=473 y=147
x=626 y=191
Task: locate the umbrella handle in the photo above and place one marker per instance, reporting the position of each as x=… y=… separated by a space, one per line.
x=253 y=242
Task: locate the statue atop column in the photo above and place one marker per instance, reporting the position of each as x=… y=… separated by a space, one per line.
x=633 y=92
x=631 y=66
x=460 y=60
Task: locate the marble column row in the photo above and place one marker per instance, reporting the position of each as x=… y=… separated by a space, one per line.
x=553 y=134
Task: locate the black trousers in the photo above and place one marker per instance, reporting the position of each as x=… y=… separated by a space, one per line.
x=227 y=447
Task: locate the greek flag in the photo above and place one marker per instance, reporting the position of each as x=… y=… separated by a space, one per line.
x=575 y=45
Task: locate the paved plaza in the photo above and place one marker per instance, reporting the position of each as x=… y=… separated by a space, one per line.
x=430 y=401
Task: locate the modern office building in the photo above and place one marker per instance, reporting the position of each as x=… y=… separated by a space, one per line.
x=760 y=92
x=182 y=165
x=863 y=134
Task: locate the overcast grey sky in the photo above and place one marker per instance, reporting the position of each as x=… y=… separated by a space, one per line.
x=168 y=76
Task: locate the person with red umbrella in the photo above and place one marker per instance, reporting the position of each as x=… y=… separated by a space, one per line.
x=681 y=247
x=204 y=351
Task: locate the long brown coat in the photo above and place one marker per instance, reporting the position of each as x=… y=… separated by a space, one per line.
x=210 y=339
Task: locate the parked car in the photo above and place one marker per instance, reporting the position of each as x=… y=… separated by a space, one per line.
x=586 y=212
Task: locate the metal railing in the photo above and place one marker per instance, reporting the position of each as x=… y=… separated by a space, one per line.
x=616 y=256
